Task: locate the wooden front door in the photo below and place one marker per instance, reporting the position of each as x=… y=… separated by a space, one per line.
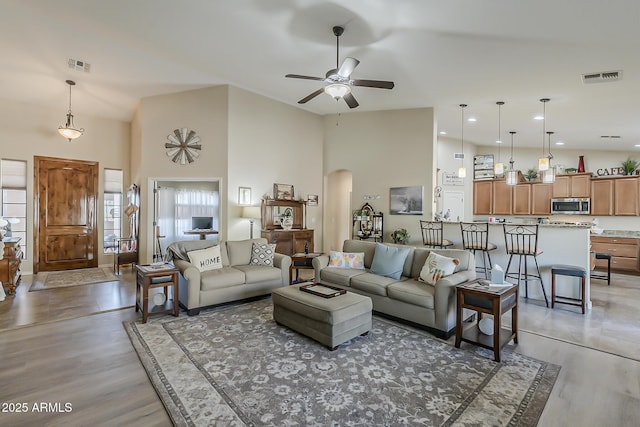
x=66 y=209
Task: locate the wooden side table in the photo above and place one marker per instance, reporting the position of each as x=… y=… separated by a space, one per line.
x=301 y=261
x=475 y=296
x=150 y=277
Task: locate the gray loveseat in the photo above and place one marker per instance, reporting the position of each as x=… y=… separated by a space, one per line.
x=236 y=280
x=431 y=307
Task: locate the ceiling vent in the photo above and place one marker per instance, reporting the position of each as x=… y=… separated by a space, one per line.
x=458 y=156
x=79 y=65
x=605 y=76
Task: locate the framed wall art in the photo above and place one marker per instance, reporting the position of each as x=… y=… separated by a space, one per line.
x=312 y=200
x=283 y=191
x=244 y=196
x=406 y=200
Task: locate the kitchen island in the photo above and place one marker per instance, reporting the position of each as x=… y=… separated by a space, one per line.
x=560 y=244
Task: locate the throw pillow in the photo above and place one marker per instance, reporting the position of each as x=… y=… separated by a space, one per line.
x=436 y=267
x=346 y=259
x=206 y=259
x=262 y=253
x=388 y=261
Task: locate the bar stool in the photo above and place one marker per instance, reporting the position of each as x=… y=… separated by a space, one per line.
x=432 y=235
x=522 y=241
x=475 y=237
x=599 y=274
x=573 y=271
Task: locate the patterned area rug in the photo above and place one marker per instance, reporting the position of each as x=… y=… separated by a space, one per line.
x=62 y=279
x=236 y=366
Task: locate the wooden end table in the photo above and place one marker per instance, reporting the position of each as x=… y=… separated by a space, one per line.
x=150 y=277
x=478 y=297
x=301 y=261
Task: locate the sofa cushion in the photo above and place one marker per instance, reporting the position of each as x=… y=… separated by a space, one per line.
x=413 y=292
x=221 y=278
x=369 y=248
x=259 y=273
x=339 y=276
x=206 y=259
x=389 y=261
x=436 y=267
x=346 y=259
x=240 y=251
x=372 y=283
x=179 y=249
x=262 y=253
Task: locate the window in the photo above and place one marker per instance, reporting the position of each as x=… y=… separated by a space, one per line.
x=112 y=209
x=13 y=174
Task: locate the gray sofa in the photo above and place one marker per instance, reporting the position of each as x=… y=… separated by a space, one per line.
x=431 y=307
x=236 y=280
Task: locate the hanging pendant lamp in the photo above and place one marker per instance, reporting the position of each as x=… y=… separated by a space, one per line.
x=69 y=130
x=543 y=162
x=462 y=171
x=511 y=175
x=549 y=176
x=499 y=166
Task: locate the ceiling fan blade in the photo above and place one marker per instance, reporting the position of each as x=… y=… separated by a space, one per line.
x=350 y=100
x=298 y=76
x=311 y=96
x=347 y=67
x=380 y=84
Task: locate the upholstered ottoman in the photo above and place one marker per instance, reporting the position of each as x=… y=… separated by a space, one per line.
x=330 y=321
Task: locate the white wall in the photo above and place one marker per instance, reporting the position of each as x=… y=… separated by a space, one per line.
x=29 y=131
x=384 y=149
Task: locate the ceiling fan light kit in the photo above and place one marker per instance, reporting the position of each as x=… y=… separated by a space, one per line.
x=69 y=130
x=339 y=80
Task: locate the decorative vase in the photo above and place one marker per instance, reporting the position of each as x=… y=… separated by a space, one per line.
x=286 y=222
x=581 y=164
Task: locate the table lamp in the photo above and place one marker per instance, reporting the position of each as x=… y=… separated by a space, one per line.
x=252 y=213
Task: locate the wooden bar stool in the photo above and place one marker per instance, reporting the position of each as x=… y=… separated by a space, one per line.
x=573 y=271
x=600 y=274
x=475 y=237
x=432 y=235
x=522 y=241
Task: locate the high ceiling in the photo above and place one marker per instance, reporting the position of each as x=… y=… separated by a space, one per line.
x=438 y=53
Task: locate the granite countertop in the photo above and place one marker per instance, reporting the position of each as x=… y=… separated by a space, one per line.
x=620 y=233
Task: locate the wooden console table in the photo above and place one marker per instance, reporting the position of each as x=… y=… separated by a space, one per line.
x=475 y=296
x=150 y=277
x=202 y=233
x=10 y=264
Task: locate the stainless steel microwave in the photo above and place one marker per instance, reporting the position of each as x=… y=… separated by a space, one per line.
x=572 y=206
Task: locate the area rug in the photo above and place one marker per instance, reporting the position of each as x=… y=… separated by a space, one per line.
x=236 y=366
x=62 y=279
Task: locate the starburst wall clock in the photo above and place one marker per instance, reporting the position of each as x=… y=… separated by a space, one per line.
x=183 y=146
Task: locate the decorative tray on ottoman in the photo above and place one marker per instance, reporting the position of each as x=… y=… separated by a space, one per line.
x=323 y=291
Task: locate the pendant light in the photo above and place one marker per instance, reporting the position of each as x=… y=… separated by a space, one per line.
x=543 y=162
x=499 y=166
x=462 y=171
x=549 y=176
x=69 y=130
x=511 y=175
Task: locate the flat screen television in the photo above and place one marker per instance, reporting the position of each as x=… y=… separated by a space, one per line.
x=201 y=222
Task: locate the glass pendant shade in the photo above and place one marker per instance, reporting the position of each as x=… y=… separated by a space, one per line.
x=69 y=130
x=511 y=177
x=462 y=172
x=499 y=168
x=549 y=176
x=337 y=90
x=543 y=164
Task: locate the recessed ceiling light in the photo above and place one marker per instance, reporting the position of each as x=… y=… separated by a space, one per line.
x=472 y=119
x=559 y=143
x=498 y=142
x=538 y=118
x=442 y=132
x=637 y=145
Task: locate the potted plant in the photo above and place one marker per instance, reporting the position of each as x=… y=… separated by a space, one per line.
x=630 y=166
x=531 y=174
x=570 y=170
x=400 y=236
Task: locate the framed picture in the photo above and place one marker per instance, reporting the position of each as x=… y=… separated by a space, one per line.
x=406 y=200
x=244 y=196
x=312 y=200
x=283 y=191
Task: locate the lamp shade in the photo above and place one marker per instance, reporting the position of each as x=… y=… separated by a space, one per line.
x=511 y=177
x=337 y=90
x=251 y=212
x=462 y=172
x=499 y=168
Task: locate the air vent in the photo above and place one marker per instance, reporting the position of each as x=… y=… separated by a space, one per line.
x=458 y=156
x=603 y=77
x=79 y=65
x=610 y=136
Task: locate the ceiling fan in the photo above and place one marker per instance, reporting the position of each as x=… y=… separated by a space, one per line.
x=339 y=79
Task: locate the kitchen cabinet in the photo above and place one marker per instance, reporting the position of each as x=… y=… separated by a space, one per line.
x=624 y=252
x=521 y=199
x=482 y=197
x=625 y=196
x=572 y=185
x=541 y=198
x=502 y=198
x=602 y=196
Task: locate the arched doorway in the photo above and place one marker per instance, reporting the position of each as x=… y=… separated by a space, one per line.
x=337 y=211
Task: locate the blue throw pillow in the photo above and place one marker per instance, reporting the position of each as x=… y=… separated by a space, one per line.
x=388 y=261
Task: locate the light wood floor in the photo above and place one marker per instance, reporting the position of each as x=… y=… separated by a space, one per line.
x=68 y=346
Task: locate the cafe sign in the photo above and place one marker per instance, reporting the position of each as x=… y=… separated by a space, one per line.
x=610 y=171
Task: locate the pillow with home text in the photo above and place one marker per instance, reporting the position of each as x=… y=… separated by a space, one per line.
x=206 y=259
